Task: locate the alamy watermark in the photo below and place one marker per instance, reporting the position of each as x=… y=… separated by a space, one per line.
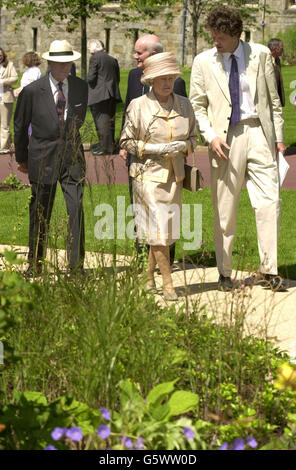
x=1 y=353
x=292 y=96
x=175 y=223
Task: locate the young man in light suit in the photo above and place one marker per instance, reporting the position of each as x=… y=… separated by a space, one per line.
x=238 y=111
x=55 y=106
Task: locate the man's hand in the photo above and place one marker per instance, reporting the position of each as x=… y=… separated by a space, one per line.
x=23 y=167
x=280 y=147
x=216 y=146
x=123 y=154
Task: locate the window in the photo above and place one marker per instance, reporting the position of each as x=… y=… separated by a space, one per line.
x=247 y=36
x=35 y=33
x=107 y=40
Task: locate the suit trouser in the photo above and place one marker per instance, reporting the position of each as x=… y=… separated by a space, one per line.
x=41 y=205
x=249 y=157
x=5 y=117
x=104 y=117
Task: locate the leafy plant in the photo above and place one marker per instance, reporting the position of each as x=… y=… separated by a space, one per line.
x=13 y=182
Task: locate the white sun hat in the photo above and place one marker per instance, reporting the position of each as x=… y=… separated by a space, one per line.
x=61 y=51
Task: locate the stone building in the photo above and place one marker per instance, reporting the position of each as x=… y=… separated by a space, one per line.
x=32 y=34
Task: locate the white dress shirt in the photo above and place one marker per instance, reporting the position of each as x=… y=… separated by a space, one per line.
x=247 y=108
x=55 y=91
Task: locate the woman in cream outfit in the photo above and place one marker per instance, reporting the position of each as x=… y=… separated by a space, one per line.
x=8 y=77
x=159 y=132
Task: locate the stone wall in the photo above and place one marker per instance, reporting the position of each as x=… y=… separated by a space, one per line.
x=32 y=33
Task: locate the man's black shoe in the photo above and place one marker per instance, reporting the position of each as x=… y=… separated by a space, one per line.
x=271 y=281
x=96 y=146
x=98 y=152
x=33 y=271
x=225 y=283
x=276 y=283
x=77 y=272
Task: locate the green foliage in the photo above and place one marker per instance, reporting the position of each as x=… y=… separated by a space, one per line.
x=29 y=419
x=70 y=10
x=13 y=182
x=289 y=40
x=14 y=302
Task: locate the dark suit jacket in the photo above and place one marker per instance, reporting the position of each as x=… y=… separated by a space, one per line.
x=103 y=78
x=279 y=80
x=135 y=88
x=47 y=150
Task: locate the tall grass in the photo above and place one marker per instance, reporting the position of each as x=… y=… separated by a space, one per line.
x=82 y=337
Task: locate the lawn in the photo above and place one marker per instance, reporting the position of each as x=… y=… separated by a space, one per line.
x=14 y=226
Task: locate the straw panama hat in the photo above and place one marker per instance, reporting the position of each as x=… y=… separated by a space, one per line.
x=158 y=65
x=61 y=51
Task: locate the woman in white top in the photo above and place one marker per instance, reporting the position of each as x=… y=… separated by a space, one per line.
x=8 y=76
x=31 y=60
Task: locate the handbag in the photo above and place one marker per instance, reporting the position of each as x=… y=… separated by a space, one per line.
x=193 y=180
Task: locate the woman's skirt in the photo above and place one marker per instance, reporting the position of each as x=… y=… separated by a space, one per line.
x=157 y=210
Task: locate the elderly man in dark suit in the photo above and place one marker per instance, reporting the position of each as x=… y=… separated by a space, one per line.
x=276 y=48
x=145 y=46
x=55 y=106
x=103 y=80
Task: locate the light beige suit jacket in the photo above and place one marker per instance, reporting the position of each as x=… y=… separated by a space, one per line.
x=8 y=78
x=145 y=122
x=210 y=97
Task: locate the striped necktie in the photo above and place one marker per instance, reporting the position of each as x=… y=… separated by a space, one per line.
x=61 y=102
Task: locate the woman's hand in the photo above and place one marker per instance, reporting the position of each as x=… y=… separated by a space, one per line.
x=171 y=148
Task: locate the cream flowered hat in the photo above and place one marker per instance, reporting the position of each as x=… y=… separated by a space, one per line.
x=158 y=65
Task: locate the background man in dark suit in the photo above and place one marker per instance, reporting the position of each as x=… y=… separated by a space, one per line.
x=103 y=80
x=55 y=105
x=145 y=46
x=276 y=48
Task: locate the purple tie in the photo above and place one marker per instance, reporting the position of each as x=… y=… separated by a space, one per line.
x=61 y=103
x=234 y=91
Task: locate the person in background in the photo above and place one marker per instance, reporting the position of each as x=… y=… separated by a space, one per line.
x=159 y=132
x=8 y=76
x=31 y=60
x=277 y=48
x=103 y=83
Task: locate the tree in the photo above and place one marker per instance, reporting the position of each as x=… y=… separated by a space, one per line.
x=74 y=11
x=197 y=10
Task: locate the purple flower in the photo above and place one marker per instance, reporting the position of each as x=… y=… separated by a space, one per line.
x=251 y=441
x=127 y=442
x=238 y=444
x=106 y=414
x=139 y=444
x=104 y=431
x=74 y=433
x=57 y=433
x=224 y=446
x=50 y=447
x=188 y=433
